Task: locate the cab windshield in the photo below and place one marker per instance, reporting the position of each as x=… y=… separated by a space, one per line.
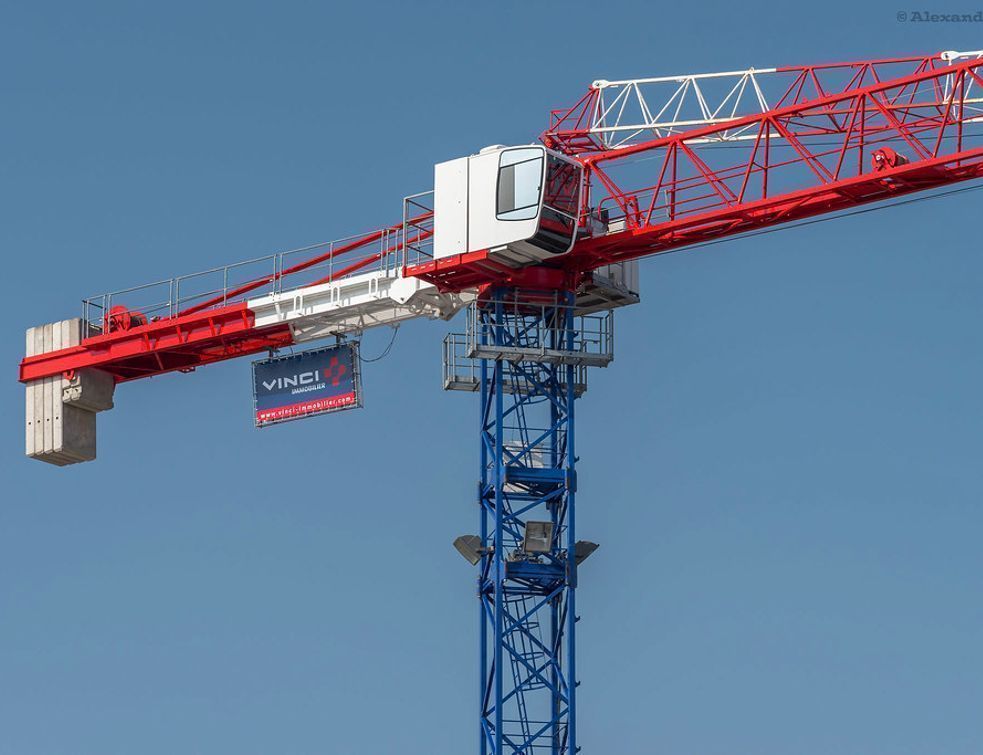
x=528 y=189
x=520 y=184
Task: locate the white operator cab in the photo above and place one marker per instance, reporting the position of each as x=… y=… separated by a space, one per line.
x=519 y=203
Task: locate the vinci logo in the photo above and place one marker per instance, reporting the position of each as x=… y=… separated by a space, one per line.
x=299 y=385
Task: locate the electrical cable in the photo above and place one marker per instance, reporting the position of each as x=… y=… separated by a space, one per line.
x=385 y=352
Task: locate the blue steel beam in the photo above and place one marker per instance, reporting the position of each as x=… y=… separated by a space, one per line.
x=527 y=473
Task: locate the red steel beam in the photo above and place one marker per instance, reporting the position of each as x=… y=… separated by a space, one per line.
x=198 y=335
x=178 y=343
x=569 y=129
x=300 y=266
x=711 y=209
x=872 y=116
x=764 y=213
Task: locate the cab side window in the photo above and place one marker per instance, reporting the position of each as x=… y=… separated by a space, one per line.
x=520 y=184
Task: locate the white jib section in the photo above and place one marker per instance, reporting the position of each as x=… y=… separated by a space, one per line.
x=354 y=304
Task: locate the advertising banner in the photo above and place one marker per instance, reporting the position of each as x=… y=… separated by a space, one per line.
x=305 y=384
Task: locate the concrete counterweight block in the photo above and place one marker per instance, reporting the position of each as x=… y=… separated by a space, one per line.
x=61 y=413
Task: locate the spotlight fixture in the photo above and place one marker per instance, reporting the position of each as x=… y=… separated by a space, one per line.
x=582 y=549
x=469 y=546
x=538 y=537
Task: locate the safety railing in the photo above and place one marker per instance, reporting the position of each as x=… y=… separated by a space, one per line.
x=462 y=372
x=383 y=251
x=418 y=228
x=538 y=331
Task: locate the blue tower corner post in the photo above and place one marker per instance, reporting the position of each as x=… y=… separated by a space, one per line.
x=527 y=345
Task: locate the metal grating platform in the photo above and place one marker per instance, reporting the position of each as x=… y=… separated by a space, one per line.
x=528 y=335
x=462 y=372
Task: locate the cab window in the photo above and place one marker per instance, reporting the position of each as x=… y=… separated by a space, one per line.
x=562 y=186
x=520 y=184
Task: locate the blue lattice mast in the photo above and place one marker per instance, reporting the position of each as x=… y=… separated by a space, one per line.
x=532 y=351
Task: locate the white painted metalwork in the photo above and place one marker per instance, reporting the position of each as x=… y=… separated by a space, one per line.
x=519 y=203
x=172 y=296
x=970 y=103
x=462 y=372
x=592 y=335
x=953 y=56
x=631 y=110
x=660 y=106
x=354 y=304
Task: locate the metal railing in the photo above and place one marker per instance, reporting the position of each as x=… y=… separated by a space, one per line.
x=418 y=228
x=381 y=251
x=462 y=372
x=539 y=331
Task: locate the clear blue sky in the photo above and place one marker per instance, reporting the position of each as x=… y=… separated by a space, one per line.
x=782 y=465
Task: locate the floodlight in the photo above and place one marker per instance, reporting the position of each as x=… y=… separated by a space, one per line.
x=469 y=546
x=538 y=537
x=582 y=549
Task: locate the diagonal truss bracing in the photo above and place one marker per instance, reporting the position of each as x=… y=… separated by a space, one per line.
x=528 y=683
x=616 y=114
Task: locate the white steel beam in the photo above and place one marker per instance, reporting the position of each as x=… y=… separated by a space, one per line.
x=628 y=110
x=354 y=304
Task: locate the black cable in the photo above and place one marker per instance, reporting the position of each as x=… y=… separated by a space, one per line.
x=385 y=352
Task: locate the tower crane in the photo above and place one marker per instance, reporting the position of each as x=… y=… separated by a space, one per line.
x=539 y=244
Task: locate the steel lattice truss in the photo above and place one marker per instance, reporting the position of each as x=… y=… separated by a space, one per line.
x=527 y=474
x=876 y=136
x=616 y=114
x=832 y=153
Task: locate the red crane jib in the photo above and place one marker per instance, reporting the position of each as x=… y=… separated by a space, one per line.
x=819 y=150
x=838 y=159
